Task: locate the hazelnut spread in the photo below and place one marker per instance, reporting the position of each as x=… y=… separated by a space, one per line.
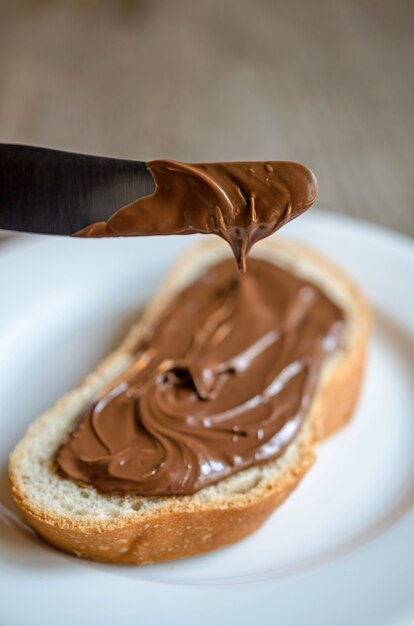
x=222 y=382
x=241 y=202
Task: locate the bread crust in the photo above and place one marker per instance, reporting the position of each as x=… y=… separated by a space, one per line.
x=169 y=536
x=183 y=528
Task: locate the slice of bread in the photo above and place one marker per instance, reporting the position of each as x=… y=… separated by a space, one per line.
x=138 y=530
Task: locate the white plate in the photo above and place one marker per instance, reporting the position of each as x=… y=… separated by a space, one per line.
x=339 y=552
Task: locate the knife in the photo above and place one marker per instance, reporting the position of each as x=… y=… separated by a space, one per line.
x=59 y=193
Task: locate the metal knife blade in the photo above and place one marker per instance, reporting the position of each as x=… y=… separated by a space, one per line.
x=57 y=192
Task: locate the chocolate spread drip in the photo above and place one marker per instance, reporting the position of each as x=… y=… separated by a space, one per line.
x=241 y=202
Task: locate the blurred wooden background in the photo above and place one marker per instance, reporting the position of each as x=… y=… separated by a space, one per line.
x=329 y=83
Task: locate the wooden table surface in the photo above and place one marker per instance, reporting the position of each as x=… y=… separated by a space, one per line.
x=329 y=83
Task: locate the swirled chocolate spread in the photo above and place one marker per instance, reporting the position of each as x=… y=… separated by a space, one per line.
x=223 y=382
x=241 y=202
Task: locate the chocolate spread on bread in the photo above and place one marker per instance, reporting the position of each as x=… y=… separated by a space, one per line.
x=241 y=202
x=223 y=382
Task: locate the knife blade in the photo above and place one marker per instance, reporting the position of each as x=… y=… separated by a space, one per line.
x=56 y=192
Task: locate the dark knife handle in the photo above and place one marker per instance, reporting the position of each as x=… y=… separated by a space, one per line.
x=56 y=192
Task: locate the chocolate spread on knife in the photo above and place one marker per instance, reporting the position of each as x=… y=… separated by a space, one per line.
x=241 y=202
x=223 y=382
